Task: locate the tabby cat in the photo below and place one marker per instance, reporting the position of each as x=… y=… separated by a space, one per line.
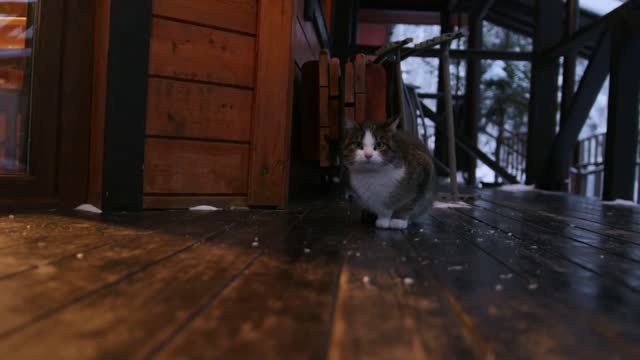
x=390 y=172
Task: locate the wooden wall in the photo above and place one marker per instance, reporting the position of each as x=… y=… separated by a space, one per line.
x=219 y=100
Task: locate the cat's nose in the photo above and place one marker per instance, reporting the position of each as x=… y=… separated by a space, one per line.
x=368 y=155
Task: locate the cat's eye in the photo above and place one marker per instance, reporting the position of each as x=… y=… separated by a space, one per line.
x=357 y=144
x=379 y=146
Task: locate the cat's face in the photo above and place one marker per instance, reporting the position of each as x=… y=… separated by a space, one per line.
x=369 y=146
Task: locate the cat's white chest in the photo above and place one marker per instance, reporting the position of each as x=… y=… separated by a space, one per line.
x=374 y=187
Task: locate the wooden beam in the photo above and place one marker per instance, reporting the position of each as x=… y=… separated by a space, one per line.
x=622 y=123
x=543 y=102
x=483 y=9
x=270 y=152
x=126 y=105
x=472 y=94
x=569 y=63
x=557 y=170
x=440 y=149
x=344 y=35
x=375 y=16
x=582 y=36
x=466 y=146
x=460 y=54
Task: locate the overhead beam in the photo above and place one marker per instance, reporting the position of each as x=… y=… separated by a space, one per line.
x=543 y=102
x=483 y=9
x=460 y=54
x=557 y=171
x=377 y=16
x=586 y=33
x=622 y=123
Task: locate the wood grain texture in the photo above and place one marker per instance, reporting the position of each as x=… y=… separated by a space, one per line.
x=361 y=108
x=239 y=15
x=269 y=168
x=323 y=66
x=101 y=50
x=349 y=84
x=184 y=202
x=323 y=106
x=334 y=77
x=495 y=280
x=360 y=70
x=198 y=53
x=323 y=147
x=193 y=167
x=199 y=111
x=334 y=119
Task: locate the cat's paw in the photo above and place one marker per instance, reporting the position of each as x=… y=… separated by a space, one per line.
x=398 y=224
x=383 y=223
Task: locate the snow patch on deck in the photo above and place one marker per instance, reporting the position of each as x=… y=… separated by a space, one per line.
x=620 y=202
x=451 y=205
x=204 y=208
x=517 y=188
x=88 y=208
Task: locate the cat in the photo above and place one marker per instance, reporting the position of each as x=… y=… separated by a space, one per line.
x=390 y=172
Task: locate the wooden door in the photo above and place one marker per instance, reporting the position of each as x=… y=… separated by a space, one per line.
x=45 y=101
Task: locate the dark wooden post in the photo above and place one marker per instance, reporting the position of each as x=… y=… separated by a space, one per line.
x=622 y=123
x=580 y=104
x=543 y=103
x=345 y=28
x=472 y=93
x=569 y=64
x=440 y=151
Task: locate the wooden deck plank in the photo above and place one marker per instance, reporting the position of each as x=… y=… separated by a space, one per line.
x=380 y=316
x=146 y=307
x=292 y=319
x=621 y=270
x=41 y=292
x=497 y=305
x=565 y=219
x=568 y=286
x=625 y=245
x=625 y=217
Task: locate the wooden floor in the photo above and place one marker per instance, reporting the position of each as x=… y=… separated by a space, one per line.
x=513 y=276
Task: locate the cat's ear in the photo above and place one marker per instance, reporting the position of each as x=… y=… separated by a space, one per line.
x=392 y=124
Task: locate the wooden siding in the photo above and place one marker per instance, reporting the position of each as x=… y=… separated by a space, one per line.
x=185 y=109
x=200 y=103
x=199 y=53
x=195 y=167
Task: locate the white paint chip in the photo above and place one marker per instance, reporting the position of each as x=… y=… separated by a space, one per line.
x=408 y=281
x=88 y=208
x=79 y=255
x=307 y=250
x=204 y=208
x=366 y=280
x=11 y=217
x=255 y=244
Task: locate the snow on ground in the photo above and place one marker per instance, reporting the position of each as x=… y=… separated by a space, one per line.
x=517 y=188
x=204 y=208
x=88 y=208
x=450 y=205
x=620 y=202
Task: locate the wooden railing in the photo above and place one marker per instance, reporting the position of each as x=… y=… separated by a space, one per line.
x=587 y=171
x=511 y=153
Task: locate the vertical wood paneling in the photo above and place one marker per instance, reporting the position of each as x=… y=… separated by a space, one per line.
x=269 y=169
